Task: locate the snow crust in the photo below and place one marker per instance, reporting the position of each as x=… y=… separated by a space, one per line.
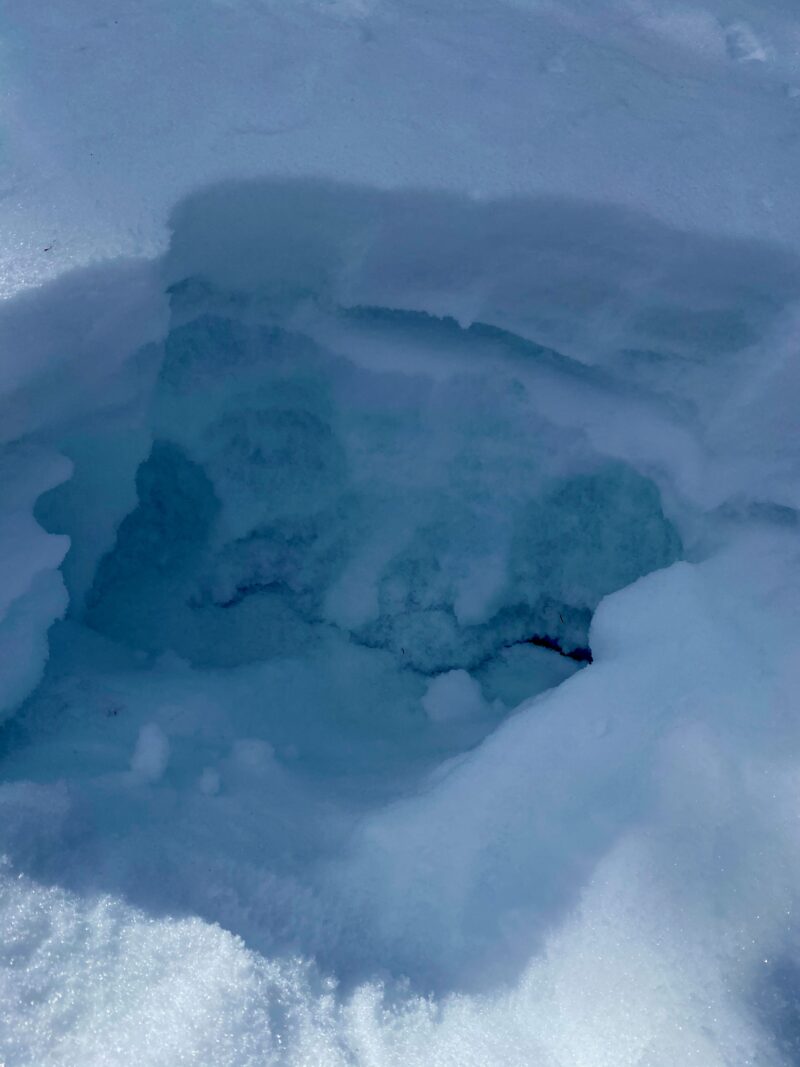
x=683 y=110
x=360 y=357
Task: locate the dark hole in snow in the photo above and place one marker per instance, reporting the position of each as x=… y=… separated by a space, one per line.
x=580 y=655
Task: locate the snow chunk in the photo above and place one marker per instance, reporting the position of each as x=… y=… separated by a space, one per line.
x=454 y=695
x=209 y=782
x=151 y=755
x=744 y=45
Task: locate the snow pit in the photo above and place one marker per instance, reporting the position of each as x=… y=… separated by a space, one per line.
x=316 y=747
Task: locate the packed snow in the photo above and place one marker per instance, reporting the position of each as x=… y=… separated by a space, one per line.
x=399 y=558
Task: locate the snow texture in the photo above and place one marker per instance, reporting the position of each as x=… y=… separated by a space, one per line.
x=399 y=570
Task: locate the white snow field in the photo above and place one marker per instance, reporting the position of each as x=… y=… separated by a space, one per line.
x=399 y=533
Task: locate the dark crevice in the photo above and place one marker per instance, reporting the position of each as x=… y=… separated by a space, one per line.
x=580 y=654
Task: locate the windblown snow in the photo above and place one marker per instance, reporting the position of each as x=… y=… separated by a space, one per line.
x=399 y=569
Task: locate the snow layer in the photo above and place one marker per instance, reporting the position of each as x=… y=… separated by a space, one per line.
x=684 y=110
x=350 y=348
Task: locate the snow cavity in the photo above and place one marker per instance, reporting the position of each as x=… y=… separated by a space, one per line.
x=365 y=483
x=314 y=483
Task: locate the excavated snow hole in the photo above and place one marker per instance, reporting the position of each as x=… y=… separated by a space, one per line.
x=325 y=552
x=385 y=563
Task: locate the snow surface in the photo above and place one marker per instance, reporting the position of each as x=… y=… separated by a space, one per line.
x=363 y=364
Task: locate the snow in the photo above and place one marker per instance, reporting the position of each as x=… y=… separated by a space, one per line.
x=662 y=99
x=369 y=366
x=209 y=781
x=151 y=755
x=32 y=593
x=452 y=695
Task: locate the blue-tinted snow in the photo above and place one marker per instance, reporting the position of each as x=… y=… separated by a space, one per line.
x=295 y=787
